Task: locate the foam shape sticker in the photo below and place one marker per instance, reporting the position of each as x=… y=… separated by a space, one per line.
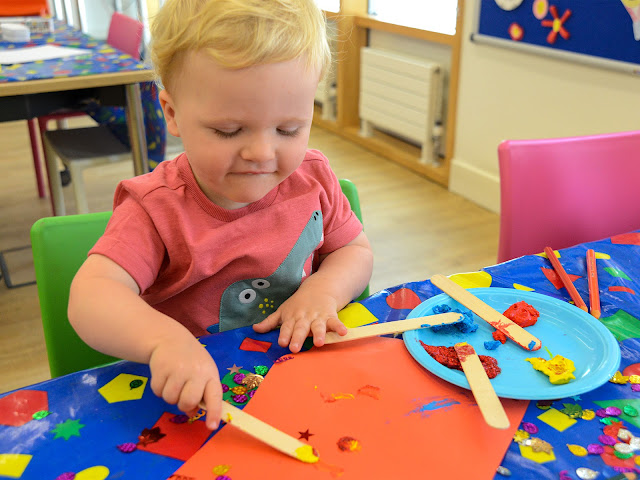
x=378 y=418
x=13 y=465
x=18 y=408
x=99 y=472
x=253 y=345
x=622 y=325
x=123 y=388
x=403 y=298
x=524 y=288
x=556 y=419
x=472 y=279
x=356 y=315
x=179 y=440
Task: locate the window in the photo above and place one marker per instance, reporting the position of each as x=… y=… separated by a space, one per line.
x=329 y=5
x=433 y=15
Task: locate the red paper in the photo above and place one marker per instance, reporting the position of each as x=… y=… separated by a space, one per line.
x=370 y=411
x=181 y=440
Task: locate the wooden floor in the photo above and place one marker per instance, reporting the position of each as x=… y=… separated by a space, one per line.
x=416 y=228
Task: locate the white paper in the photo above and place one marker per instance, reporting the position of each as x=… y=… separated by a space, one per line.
x=32 y=54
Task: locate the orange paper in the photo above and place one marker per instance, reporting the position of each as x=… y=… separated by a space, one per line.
x=371 y=411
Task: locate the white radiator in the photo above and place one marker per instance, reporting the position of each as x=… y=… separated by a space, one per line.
x=401 y=95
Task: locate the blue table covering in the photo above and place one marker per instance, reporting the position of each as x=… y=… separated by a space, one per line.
x=92 y=416
x=103 y=58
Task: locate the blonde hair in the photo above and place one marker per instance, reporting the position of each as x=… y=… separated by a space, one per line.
x=238 y=33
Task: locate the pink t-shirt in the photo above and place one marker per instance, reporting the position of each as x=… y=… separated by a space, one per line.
x=208 y=267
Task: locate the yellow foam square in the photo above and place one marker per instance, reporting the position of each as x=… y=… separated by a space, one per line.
x=12 y=465
x=556 y=419
x=356 y=315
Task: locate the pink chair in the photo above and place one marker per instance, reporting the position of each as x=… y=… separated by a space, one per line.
x=125 y=34
x=563 y=191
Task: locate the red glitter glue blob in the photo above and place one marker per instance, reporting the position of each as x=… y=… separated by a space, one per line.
x=448 y=357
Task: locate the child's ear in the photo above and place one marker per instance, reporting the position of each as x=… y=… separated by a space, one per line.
x=167 y=104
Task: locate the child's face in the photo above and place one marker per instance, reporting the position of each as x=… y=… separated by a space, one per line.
x=244 y=131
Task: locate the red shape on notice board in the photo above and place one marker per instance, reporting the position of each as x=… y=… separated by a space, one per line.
x=632 y=238
x=18 y=408
x=180 y=440
x=414 y=413
x=403 y=298
x=553 y=277
x=620 y=288
x=253 y=345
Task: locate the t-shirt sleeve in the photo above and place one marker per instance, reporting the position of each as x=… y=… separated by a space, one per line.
x=341 y=225
x=131 y=239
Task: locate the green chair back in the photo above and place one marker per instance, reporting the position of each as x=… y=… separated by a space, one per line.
x=60 y=246
x=351 y=192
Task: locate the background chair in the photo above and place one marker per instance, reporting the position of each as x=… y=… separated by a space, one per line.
x=563 y=191
x=60 y=246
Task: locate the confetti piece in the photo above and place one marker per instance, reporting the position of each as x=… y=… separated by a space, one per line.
x=577 y=450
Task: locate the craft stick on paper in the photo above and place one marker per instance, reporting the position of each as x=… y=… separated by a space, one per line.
x=511 y=329
x=566 y=281
x=267 y=434
x=393 y=327
x=594 y=289
x=486 y=398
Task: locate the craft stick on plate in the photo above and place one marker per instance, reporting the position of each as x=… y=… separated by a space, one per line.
x=393 y=327
x=267 y=434
x=486 y=398
x=566 y=281
x=594 y=289
x=511 y=329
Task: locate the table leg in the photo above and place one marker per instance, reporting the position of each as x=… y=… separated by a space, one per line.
x=135 y=123
x=55 y=183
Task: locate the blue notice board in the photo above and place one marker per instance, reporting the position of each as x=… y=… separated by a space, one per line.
x=604 y=33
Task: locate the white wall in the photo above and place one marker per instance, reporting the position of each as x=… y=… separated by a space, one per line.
x=508 y=94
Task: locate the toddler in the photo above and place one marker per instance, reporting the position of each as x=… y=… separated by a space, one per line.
x=247 y=226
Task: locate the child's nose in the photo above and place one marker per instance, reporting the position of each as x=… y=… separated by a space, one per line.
x=260 y=148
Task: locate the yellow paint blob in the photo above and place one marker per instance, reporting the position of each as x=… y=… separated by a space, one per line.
x=634 y=379
x=559 y=369
x=577 y=450
x=306 y=455
x=619 y=378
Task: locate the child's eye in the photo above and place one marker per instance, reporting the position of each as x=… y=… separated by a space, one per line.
x=223 y=134
x=289 y=133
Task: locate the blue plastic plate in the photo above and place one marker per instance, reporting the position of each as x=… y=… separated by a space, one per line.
x=562 y=328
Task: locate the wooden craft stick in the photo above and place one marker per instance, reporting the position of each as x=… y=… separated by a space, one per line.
x=267 y=434
x=594 y=289
x=393 y=327
x=486 y=398
x=511 y=329
x=566 y=281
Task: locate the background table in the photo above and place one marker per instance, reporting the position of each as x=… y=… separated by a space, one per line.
x=34 y=89
x=94 y=411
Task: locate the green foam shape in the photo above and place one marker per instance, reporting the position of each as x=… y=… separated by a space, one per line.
x=622 y=325
x=614 y=272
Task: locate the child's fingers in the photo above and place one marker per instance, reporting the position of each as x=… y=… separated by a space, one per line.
x=190 y=396
x=213 y=401
x=300 y=332
x=268 y=324
x=335 y=325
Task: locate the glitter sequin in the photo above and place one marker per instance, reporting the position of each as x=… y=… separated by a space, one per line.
x=595 y=449
x=613 y=411
x=504 y=471
x=529 y=427
x=127 y=447
x=607 y=440
x=239 y=390
x=239 y=398
x=41 y=414
x=588 y=414
x=261 y=370
x=221 y=469
x=252 y=381
x=634 y=379
x=238 y=377
x=577 y=450
x=180 y=418
x=585 y=473
x=630 y=411
x=619 y=378
x=623 y=448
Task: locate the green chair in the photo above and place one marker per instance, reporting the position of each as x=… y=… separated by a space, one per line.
x=60 y=245
x=351 y=192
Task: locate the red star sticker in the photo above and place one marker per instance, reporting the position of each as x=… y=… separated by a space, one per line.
x=305 y=435
x=556 y=24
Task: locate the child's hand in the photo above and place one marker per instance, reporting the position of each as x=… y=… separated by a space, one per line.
x=303 y=313
x=183 y=373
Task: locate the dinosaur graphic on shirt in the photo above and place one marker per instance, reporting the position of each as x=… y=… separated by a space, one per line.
x=246 y=302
